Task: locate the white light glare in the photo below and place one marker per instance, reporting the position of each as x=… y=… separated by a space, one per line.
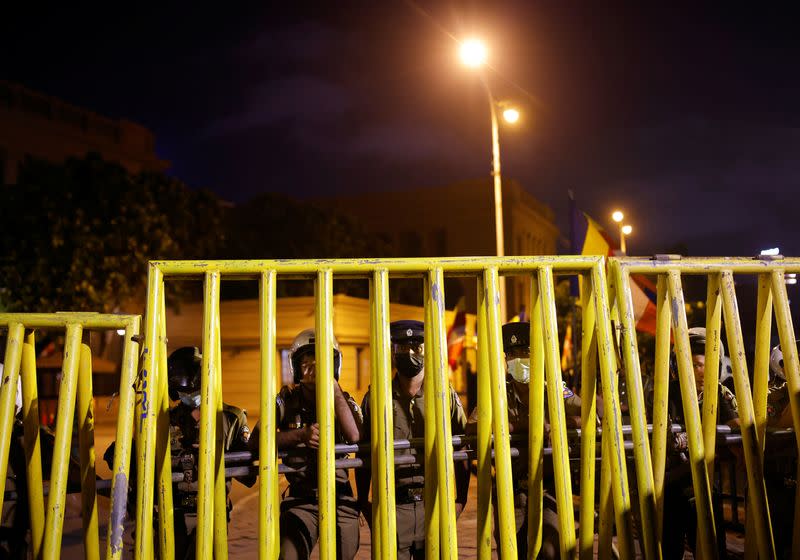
x=121 y=332
x=771 y=252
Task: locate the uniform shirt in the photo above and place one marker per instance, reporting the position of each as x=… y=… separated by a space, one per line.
x=409 y=422
x=184 y=430
x=777 y=401
x=727 y=407
x=294 y=410
x=184 y=436
x=518 y=414
x=727 y=410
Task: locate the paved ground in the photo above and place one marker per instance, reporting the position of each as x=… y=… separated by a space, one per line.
x=243 y=528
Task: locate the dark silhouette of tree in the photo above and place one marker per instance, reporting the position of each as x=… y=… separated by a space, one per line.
x=78 y=236
x=275 y=226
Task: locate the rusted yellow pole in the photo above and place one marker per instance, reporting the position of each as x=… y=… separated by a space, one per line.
x=760 y=387
x=383 y=485
x=166 y=517
x=502 y=444
x=660 y=401
x=484 y=444
x=432 y=442
x=606 y=503
x=147 y=411
x=208 y=420
x=791 y=369
x=377 y=533
x=536 y=425
x=756 y=491
x=32 y=442
x=711 y=378
x=8 y=393
x=91 y=537
x=122 y=450
x=327 y=472
x=558 y=424
x=220 y=492
x=268 y=495
x=435 y=333
x=588 y=421
x=641 y=446
x=613 y=447
x=56 y=500
x=691 y=412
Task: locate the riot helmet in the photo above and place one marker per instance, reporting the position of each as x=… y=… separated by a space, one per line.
x=697 y=346
x=516 y=345
x=305 y=344
x=408 y=346
x=183 y=371
x=776 y=364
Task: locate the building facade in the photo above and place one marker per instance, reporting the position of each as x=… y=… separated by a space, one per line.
x=37 y=125
x=458 y=220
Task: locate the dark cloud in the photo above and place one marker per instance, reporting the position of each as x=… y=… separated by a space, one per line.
x=684 y=115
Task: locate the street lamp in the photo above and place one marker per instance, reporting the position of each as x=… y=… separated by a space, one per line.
x=624 y=230
x=474 y=54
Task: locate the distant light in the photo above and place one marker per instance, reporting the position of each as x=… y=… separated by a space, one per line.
x=627 y=229
x=617 y=216
x=121 y=332
x=511 y=115
x=791 y=275
x=791 y=280
x=473 y=53
x=771 y=252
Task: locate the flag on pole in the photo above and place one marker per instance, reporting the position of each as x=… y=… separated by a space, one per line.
x=456 y=334
x=589 y=238
x=567 y=358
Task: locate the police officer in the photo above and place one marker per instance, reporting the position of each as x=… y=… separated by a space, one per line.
x=516 y=346
x=296 y=418
x=779 y=414
x=409 y=415
x=780 y=460
x=183 y=378
x=680 y=519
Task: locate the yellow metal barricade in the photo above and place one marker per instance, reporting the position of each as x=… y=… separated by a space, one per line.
x=721 y=307
x=493 y=428
x=75 y=390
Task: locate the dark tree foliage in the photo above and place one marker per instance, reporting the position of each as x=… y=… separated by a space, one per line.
x=274 y=226
x=78 y=236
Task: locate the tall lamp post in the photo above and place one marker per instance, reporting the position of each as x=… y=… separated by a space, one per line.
x=474 y=54
x=624 y=230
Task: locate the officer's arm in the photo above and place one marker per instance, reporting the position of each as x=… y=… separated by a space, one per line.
x=364 y=475
x=459 y=426
x=348 y=421
x=286 y=439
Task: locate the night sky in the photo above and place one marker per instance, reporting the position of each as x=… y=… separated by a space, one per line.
x=684 y=116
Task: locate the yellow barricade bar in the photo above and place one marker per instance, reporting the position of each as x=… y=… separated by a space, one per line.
x=721 y=310
x=493 y=429
x=75 y=391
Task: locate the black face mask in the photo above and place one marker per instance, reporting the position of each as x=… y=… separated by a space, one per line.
x=409 y=365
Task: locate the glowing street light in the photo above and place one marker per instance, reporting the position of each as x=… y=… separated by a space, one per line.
x=624 y=230
x=511 y=115
x=474 y=54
